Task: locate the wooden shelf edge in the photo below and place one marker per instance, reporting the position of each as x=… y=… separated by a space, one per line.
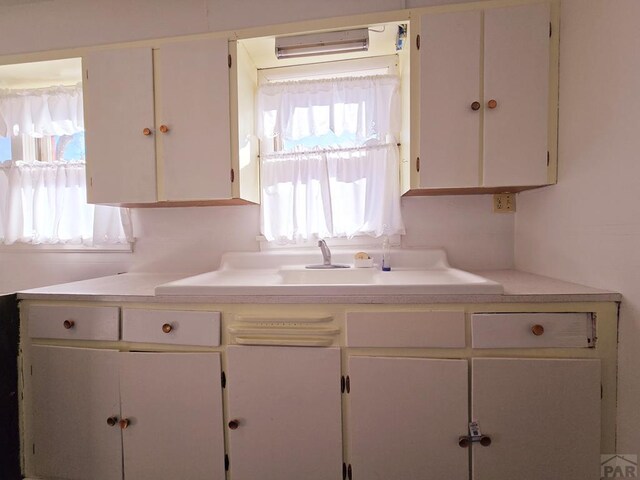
x=424 y=192
x=186 y=203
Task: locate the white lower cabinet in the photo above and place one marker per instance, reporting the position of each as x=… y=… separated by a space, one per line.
x=539 y=418
x=285 y=419
x=542 y=416
x=405 y=417
x=106 y=415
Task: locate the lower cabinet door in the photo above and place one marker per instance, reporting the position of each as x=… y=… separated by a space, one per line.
x=172 y=404
x=284 y=413
x=74 y=392
x=406 y=416
x=543 y=418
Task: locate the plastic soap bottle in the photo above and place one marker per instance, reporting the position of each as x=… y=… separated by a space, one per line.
x=386 y=255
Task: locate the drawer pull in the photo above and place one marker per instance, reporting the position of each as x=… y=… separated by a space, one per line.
x=492 y=104
x=124 y=423
x=167 y=328
x=147 y=132
x=475 y=106
x=234 y=424
x=112 y=421
x=164 y=128
x=537 y=330
x=68 y=324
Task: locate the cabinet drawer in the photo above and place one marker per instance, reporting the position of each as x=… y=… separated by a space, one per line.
x=532 y=330
x=74 y=323
x=171 y=326
x=437 y=329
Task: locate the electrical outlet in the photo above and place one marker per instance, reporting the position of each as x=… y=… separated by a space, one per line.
x=504 y=202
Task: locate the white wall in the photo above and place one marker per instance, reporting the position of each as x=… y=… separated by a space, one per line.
x=586 y=229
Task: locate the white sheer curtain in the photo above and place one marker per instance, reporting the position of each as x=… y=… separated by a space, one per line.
x=45 y=203
x=42 y=111
x=338 y=173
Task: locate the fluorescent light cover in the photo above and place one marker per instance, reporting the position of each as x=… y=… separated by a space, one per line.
x=323 y=43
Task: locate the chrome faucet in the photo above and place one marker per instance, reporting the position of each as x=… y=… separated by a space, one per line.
x=326 y=253
x=326 y=258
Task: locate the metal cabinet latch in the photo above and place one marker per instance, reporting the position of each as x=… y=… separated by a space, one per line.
x=475 y=436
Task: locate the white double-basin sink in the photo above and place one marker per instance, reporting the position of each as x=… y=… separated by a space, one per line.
x=285 y=272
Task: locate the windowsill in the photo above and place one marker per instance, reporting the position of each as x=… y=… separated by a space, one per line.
x=358 y=241
x=65 y=248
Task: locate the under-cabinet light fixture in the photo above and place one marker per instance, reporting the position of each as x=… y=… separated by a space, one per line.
x=325 y=43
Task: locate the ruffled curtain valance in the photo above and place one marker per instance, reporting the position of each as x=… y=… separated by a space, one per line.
x=42 y=111
x=361 y=107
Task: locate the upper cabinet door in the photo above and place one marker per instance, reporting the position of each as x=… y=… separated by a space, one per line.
x=193 y=91
x=450 y=99
x=118 y=98
x=543 y=417
x=516 y=76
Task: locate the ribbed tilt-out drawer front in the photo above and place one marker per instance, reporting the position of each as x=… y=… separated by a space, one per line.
x=428 y=329
x=175 y=327
x=532 y=330
x=74 y=323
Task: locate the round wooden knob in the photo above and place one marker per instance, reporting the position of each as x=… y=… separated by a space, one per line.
x=464 y=442
x=475 y=106
x=124 y=423
x=492 y=104
x=68 y=324
x=164 y=128
x=234 y=424
x=111 y=421
x=146 y=132
x=485 y=441
x=537 y=330
x=167 y=328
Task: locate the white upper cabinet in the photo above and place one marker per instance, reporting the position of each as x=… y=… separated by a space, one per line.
x=158 y=123
x=485 y=99
x=118 y=99
x=516 y=77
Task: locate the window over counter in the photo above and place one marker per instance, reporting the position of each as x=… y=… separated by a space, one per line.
x=328 y=130
x=42 y=161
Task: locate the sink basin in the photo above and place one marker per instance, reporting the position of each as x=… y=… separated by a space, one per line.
x=283 y=273
x=338 y=276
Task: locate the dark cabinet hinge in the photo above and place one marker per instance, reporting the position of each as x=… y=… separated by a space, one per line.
x=233 y=175
x=33 y=448
x=418 y=42
x=418 y=164
x=230 y=61
x=348 y=384
x=349 y=472
x=226 y=462
x=342 y=383
x=223 y=379
x=548 y=158
x=344 y=471
x=550 y=29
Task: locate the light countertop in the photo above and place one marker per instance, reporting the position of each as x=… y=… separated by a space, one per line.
x=519 y=287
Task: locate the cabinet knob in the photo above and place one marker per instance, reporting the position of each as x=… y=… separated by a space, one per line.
x=475 y=106
x=537 y=330
x=464 y=442
x=146 y=132
x=492 y=104
x=234 y=424
x=68 y=324
x=124 y=423
x=164 y=128
x=111 y=421
x=167 y=328
x=485 y=441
